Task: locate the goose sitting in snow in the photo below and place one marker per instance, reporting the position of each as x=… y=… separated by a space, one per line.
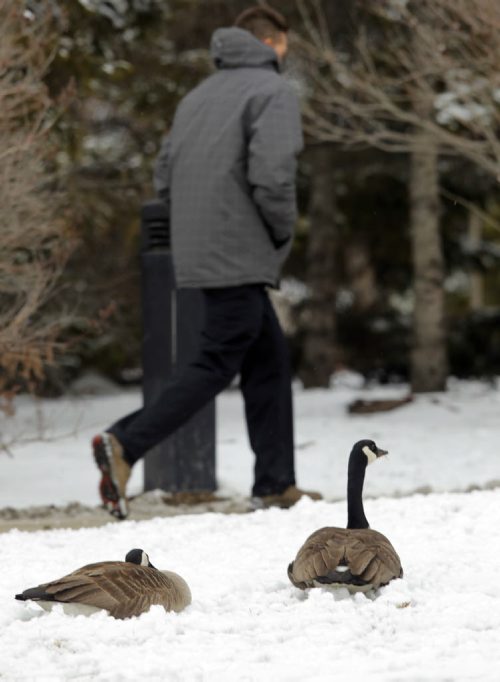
x=355 y=557
x=123 y=588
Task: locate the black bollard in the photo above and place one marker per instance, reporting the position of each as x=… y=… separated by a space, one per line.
x=172 y=318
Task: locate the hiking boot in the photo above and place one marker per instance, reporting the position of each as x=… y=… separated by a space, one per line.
x=285 y=500
x=108 y=455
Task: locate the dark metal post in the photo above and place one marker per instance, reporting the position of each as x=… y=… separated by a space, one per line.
x=172 y=318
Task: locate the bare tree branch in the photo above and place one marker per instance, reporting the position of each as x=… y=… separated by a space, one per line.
x=369 y=98
x=34 y=241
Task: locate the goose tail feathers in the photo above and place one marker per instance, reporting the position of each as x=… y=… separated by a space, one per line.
x=34 y=593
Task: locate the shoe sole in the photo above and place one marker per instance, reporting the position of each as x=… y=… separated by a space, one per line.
x=108 y=488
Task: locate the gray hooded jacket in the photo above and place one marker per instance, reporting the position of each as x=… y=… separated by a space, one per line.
x=227 y=169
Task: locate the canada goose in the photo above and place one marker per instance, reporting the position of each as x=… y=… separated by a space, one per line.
x=123 y=588
x=355 y=557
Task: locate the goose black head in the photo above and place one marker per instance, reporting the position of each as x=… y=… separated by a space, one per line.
x=366 y=451
x=139 y=557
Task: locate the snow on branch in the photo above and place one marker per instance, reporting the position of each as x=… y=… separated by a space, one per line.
x=428 y=66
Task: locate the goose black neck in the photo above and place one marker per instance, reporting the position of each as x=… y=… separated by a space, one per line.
x=355 y=479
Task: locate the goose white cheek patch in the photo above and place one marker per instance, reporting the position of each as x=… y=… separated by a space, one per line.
x=370 y=455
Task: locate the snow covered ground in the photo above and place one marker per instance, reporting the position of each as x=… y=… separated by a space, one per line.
x=247 y=622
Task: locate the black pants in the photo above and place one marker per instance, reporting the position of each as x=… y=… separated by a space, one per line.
x=242 y=335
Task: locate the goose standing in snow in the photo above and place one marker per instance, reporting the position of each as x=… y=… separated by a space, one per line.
x=123 y=588
x=355 y=557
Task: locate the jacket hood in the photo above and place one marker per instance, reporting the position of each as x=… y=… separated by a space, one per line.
x=234 y=47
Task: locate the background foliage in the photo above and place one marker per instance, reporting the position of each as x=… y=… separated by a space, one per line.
x=350 y=290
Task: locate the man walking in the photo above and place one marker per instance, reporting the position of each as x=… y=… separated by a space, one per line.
x=227 y=173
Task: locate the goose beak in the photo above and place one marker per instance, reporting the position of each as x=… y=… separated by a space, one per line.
x=381 y=453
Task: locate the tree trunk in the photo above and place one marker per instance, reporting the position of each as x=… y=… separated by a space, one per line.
x=476 y=288
x=319 y=316
x=429 y=360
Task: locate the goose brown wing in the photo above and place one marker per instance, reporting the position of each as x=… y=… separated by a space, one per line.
x=320 y=554
x=101 y=585
x=152 y=587
x=74 y=587
x=371 y=557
